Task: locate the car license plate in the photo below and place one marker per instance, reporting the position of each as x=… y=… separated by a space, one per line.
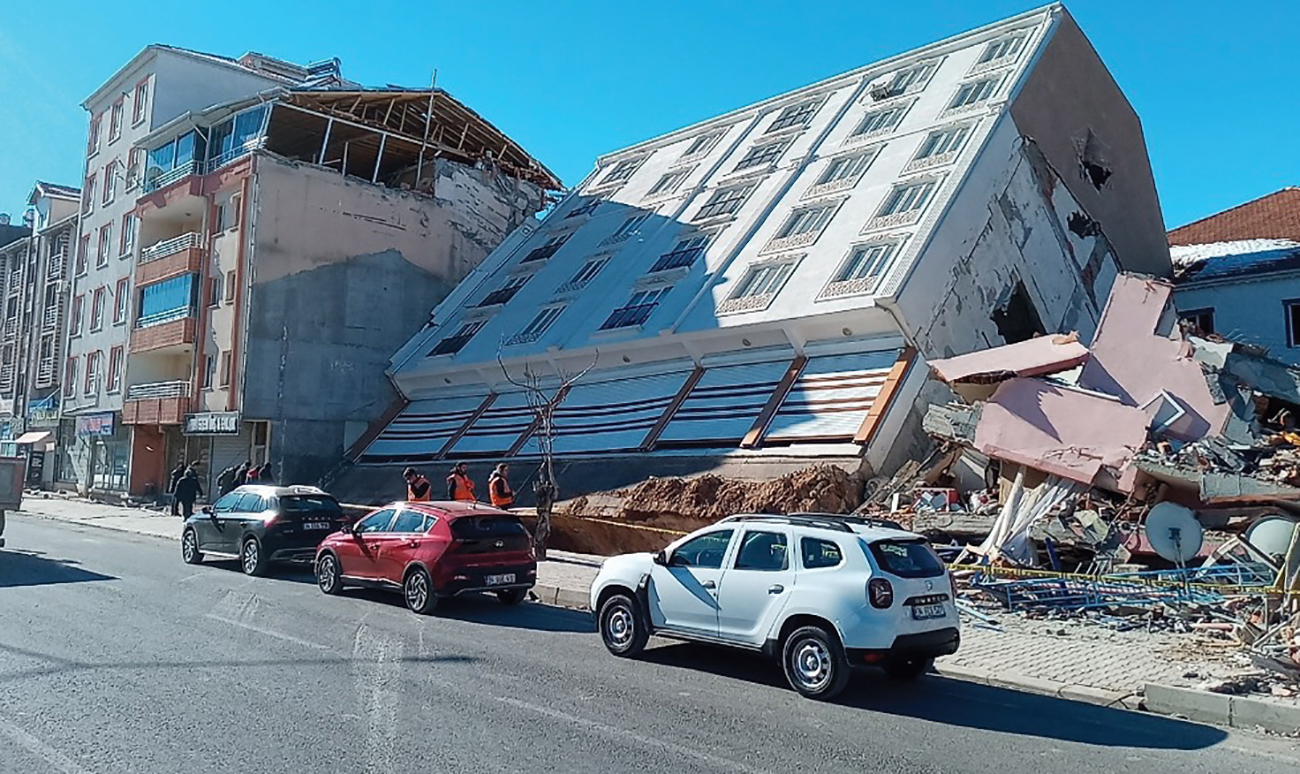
x=922 y=612
x=316 y=525
x=499 y=580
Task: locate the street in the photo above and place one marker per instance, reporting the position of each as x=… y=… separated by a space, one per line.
x=117 y=657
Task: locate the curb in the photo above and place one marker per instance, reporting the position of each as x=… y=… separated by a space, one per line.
x=1087 y=694
x=93 y=522
x=1221 y=709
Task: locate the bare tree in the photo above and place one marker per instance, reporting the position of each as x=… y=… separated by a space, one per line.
x=542 y=401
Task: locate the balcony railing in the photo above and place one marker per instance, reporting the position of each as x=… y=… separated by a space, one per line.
x=151 y=390
x=172 y=175
x=45 y=371
x=51 y=318
x=11 y=327
x=231 y=155
x=7 y=372
x=170 y=315
x=170 y=246
x=57 y=262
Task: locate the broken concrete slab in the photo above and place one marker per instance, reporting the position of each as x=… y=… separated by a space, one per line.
x=974 y=375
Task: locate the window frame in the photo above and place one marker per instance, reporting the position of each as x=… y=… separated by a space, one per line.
x=914 y=74
x=139 y=101
x=543 y=320
x=758 y=157
x=226 y=369
x=959 y=103
x=1195 y=316
x=621 y=171
x=697 y=243
x=121 y=301
x=215 y=290
x=88 y=193
x=110 y=186
x=78 y=312
x=104 y=249
x=97 y=299
x=769 y=285
x=875 y=265
x=795 y=116
x=467 y=331
x=229 y=287
x=392 y=514
x=70 y=377
x=1291 y=308
x=703 y=144
x=116 y=359
x=630 y=314
x=803 y=553
x=895 y=197
x=591 y=267
x=861 y=131
x=749 y=532
x=669 y=183
x=81 y=266
x=116 y=119
x=126 y=240
x=719 y=198
x=93 y=135
x=92 y=372
x=730 y=534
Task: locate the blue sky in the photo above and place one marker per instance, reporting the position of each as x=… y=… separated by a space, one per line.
x=1214 y=85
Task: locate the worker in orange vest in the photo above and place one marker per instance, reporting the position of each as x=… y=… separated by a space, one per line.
x=499 y=488
x=459 y=486
x=418 y=488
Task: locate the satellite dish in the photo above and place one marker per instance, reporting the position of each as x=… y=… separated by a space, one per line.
x=1272 y=535
x=1173 y=532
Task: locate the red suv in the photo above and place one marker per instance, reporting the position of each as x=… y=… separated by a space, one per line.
x=429 y=551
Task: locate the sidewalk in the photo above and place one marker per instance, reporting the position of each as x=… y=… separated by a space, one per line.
x=1136 y=669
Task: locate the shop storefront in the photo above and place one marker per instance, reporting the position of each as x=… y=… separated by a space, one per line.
x=103 y=451
x=214 y=441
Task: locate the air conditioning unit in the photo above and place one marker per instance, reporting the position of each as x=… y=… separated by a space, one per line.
x=881 y=91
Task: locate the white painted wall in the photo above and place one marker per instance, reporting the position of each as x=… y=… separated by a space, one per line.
x=1247 y=309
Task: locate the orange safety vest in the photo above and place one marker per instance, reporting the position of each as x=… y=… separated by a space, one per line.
x=464 y=487
x=411 y=496
x=506 y=498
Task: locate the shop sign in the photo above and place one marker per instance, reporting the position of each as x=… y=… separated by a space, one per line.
x=212 y=423
x=95 y=424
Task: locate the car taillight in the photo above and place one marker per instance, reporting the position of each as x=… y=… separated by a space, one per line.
x=270 y=518
x=880 y=593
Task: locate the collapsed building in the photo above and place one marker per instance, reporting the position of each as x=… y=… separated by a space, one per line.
x=764 y=289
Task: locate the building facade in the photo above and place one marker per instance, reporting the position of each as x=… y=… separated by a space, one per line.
x=769 y=283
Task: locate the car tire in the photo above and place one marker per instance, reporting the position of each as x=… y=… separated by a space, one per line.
x=329 y=579
x=907 y=668
x=814 y=663
x=512 y=596
x=623 y=628
x=417 y=590
x=252 y=559
x=190 y=547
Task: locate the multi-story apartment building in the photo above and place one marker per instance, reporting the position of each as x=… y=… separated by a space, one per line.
x=36 y=293
x=768 y=284
x=156 y=86
x=15 y=268
x=286 y=240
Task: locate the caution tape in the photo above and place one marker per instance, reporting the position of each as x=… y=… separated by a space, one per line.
x=1226 y=589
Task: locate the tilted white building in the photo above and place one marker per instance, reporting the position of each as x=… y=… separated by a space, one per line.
x=767 y=284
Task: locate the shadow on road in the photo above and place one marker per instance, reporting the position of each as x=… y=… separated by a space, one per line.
x=958 y=703
x=485 y=609
x=33 y=568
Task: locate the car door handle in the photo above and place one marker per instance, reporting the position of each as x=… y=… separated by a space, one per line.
x=710 y=585
x=775 y=589
x=412 y=543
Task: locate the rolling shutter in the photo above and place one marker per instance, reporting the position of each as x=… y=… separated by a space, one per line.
x=831 y=397
x=422 y=429
x=612 y=416
x=498 y=428
x=724 y=404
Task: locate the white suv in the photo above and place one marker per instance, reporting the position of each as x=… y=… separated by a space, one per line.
x=825 y=593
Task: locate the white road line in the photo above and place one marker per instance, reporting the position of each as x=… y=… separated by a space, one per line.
x=61 y=763
x=623 y=733
x=376 y=674
x=267 y=632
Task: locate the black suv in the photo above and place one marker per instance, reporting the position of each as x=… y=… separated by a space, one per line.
x=261 y=525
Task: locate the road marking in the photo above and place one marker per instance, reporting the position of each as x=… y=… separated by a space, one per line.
x=267 y=632
x=61 y=763
x=648 y=741
x=376 y=665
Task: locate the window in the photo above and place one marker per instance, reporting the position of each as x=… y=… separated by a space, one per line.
x=115 y=369
x=846 y=168
x=129 y=228
x=907 y=198
x=819 y=553
x=794 y=115
x=866 y=262
x=122 y=295
x=506 y=292
x=105 y=246
x=70 y=378
x=706 y=551
x=637 y=310
x=230 y=286
x=139 y=101
x=907 y=558
x=74 y=323
x=763 y=551
x=549 y=248
x=83 y=255
x=92 y=372
x=376 y=522
x=763 y=280
x=236 y=211
x=622 y=171
x=110 y=180
x=92 y=140
x=209 y=371
x=97 y=309
x=911 y=78
x=408 y=521
x=702 y=144
x=455 y=343
x=541 y=322
x=628 y=228
x=725 y=201
x=760 y=155
x=226 y=364
x=587 y=207
x=1201 y=320
x=975 y=92
x=134 y=162
x=588 y=271
x=809 y=220
x=1002 y=49
x=684 y=253
x=219 y=216
x=669 y=182
x=88 y=195
x=1292 y=323
x=171 y=299
x=228 y=503
x=943 y=141
x=880 y=121
x=115 y=116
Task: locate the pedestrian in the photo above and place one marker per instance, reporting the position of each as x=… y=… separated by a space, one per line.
x=459 y=485
x=241 y=474
x=264 y=474
x=251 y=476
x=418 y=488
x=177 y=473
x=226 y=481
x=188 y=489
x=499 y=491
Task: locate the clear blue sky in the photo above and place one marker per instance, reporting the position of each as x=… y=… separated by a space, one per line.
x=1216 y=84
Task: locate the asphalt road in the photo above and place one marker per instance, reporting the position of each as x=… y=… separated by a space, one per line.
x=117 y=657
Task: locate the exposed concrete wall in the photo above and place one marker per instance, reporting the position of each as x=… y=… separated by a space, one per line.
x=1070 y=93
x=1248 y=309
x=341 y=269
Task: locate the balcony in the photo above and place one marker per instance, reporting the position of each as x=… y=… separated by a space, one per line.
x=164 y=331
x=51 y=317
x=7 y=372
x=157 y=403
x=178 y=255
x=162 y=180
x=45 y=372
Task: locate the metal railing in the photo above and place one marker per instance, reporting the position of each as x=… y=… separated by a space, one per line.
x=172 y=389
x=51 y=319
x=170 y=315
x=231 y=155
x=45 y=371
x=172 y=175
x=171 y=246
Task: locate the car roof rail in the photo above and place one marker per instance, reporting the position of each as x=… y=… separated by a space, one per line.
x=825 y=521
x=855 y=519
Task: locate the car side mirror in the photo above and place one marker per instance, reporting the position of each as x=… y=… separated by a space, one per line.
x=661 y=558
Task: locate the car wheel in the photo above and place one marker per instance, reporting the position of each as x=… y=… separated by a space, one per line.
x=512 y=596
x=190 y=547
x=622 y=626
x=418 y=590
x=251 y=558
x=814 y=663
x=907 y=668
x=328 y=577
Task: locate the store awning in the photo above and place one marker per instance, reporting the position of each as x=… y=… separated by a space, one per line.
x=34 y=438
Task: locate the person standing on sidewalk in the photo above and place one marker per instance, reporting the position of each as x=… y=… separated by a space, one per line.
x=418 y=488
x=499 y=491
x=226 y=481
x=188 y=490
x=178 y=473
x=459 y=485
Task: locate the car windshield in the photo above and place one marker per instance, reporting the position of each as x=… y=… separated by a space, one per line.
x=907 y=558
x=311 y=504
x=480 y=527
